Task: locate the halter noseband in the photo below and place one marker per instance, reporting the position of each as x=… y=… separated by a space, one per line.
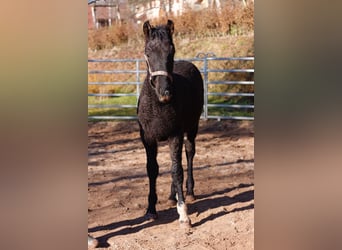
x=156 y=73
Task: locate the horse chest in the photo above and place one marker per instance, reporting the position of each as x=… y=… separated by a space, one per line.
x=158 y=121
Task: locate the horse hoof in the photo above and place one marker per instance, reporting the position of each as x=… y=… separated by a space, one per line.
x=150 y=216
x=92 y=242
x=185 y=224
x=171 y=203
x=190 y=197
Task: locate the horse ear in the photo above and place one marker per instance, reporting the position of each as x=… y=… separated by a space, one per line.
x=147 y=28
x=170 y=26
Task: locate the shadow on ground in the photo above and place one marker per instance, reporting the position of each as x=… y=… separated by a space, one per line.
x=200 y=205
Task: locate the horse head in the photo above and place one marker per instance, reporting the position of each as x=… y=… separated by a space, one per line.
x=159 y=55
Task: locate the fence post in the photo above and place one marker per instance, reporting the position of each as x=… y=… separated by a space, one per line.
x=205 y=73
x=137 y=64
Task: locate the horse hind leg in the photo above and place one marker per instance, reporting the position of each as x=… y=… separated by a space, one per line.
x=190 y=150
x=172 y=201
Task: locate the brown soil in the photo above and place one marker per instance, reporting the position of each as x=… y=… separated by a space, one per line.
x=222 y=215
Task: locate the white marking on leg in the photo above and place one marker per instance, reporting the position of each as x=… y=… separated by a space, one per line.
x=92 y=242
x=182 y=210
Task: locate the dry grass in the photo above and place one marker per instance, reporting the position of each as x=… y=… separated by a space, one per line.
x=231 y=20
x=109 y=36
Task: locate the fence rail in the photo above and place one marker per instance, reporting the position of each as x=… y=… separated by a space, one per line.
x=213 y=75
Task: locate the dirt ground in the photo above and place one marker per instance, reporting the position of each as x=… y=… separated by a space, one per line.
x=222 y=215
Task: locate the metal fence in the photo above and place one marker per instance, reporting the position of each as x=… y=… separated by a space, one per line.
x=230 y=73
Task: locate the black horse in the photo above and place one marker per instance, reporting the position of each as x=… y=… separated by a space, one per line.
x=170 y=105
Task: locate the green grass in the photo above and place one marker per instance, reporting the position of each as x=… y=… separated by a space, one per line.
x=223 y=111
x=229 y=112
x=130 y=100
x=113 y=112
x=243 y=100
x=112 y=100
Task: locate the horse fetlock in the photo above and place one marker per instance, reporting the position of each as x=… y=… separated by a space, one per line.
x=151 y=216
x=171 y=202
x=190 y=197
x=185 y=223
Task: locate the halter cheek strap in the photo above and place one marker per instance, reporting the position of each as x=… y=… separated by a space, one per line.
x=156 y=73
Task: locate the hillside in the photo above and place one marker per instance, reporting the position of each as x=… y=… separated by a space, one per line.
x=229 y=46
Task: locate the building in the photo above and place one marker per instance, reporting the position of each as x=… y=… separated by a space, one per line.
x=105 y=12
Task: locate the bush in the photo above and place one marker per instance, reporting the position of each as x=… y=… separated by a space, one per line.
x=108 y=37
x=230 y=20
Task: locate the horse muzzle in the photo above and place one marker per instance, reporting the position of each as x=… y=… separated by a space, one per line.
x=165 y=97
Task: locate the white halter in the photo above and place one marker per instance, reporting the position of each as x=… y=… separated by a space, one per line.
x=156 y=73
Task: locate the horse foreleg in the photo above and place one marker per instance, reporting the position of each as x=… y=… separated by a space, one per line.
x=176 y=144
x=152 y=171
